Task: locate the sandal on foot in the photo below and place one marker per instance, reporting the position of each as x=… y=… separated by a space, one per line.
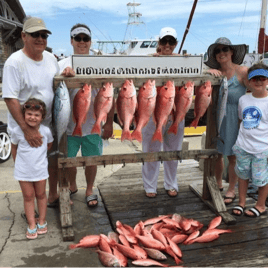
x=150 y=195
x=256 y=212
x=172 y=193
x=31 y=233
x=42 y=229
x=91 y=198
x=229 y=197
x=239 y=208
x=54 y=204
x=72 y=192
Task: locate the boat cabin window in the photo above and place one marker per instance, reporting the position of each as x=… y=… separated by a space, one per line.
x=133 y=44
x=154 y=44
x=145 y=44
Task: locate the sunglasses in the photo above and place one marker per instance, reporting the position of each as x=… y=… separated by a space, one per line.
x=164 y=41
x=85 y=39
x=37 y=34
x=257 y=78
x=224 y=49
x=33 y=106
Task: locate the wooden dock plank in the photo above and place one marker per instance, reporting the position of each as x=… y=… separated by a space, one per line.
x=125 y=200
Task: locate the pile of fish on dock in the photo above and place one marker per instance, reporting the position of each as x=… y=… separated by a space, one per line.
x=145 y=243
x=158 y=102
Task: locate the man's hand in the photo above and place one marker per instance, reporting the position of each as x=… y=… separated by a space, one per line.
x=68 y=72
x=33 y=136
x=107 y=131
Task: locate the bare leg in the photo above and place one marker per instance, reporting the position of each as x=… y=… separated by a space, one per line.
x=219 y=170
x=72 y=178
x=260 y=205
x=232 y=179
x=28 y=193
x=90 y=173
x=41 y=197
x=242 y=189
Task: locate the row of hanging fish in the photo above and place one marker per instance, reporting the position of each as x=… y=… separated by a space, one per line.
x=160 y=102
x=148 y=242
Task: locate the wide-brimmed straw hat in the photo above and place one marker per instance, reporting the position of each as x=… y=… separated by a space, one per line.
x=239 y=52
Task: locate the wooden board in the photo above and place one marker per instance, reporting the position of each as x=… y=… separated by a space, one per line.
x=125 y=200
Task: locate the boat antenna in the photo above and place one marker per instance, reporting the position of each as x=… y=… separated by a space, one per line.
x=188 y=24
x=134 y=18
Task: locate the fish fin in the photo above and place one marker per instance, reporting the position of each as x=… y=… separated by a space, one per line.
x=126 y=135
x=158 y=136
x=136 y=135
x=96 y=129
x=173 y=129
x=77 y=131
x=72 y=246
x=194 y=123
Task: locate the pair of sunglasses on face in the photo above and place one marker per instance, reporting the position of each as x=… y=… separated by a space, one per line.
x=33 y=106
x=219 y=50
x=85 y=39
x=171 y=41
x=258 y=78
x=37 y=34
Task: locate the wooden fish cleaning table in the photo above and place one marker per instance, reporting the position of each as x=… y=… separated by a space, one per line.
x=209 y=193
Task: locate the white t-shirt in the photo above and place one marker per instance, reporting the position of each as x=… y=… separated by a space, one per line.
x=31 y=163
x=88 y=125
x=24 y=78
x=253 y=132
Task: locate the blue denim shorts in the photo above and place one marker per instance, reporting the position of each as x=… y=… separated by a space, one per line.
x=251 y=166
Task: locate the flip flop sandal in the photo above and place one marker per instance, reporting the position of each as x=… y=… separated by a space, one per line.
x=73 y=192
x=256 y=213
x=23 y=215
x=31 y=233
x=228 y=197
x=152 y=195
x=172 y=191
x=91 y=198
x=42 y=229
x=54 y=204
x=239 y=208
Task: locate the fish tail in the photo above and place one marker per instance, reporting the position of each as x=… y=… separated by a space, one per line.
x=173 y=129
x=96 y=129
x=72 y=246
x=158 y=136
x=195 y=123
x=136 y=135
x=77 y=131
x=126 y=135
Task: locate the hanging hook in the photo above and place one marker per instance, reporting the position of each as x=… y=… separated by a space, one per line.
x=103 y=163
x=124 y=164
x=142 y=160
x=160 y=159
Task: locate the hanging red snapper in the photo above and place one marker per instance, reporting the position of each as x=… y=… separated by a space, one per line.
x=183 y=101
x=164 y=104
x=126 y=105
x=202 y=101
x=102 y=106
x=146 y=105
x=81 y=105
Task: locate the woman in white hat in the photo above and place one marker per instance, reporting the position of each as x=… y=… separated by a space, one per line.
x=224 y=59
x=150 y=170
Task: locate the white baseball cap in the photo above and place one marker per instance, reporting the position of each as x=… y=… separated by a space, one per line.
x=168 y=31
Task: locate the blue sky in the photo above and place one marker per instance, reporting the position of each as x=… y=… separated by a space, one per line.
x=239 y=20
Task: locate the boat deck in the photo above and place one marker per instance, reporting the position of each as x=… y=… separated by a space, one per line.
x=124 y=200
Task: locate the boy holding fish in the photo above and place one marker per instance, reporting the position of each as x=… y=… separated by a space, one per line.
x=31 y=166
x=251 y=147
x=84 y=127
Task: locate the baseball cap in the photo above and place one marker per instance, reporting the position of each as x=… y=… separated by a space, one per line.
x=34 y=24
x=168 y=31
x=80 y=30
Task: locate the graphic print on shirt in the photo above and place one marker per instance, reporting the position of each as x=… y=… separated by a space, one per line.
x=251 y=117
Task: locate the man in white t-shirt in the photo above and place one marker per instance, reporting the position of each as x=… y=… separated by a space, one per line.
x=28 y=73
x=90 y=144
